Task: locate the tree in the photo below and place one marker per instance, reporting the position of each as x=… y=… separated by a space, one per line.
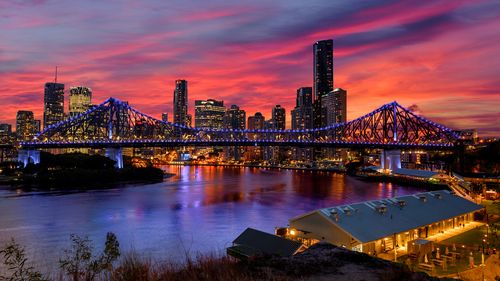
x=14 y=259
x=79 y=262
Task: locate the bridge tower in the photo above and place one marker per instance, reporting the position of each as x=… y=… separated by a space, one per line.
x=115 y=154
x=390 y=159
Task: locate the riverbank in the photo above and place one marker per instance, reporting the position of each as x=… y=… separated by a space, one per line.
x=292 y=168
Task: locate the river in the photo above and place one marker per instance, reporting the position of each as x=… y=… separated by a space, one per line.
x=199 y=210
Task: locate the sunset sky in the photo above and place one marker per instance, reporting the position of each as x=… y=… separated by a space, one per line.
x=442 y=56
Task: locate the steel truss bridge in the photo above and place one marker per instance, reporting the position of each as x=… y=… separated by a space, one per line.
x=114 y=124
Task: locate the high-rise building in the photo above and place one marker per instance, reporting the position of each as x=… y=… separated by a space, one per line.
x=37 y=127
x=235 y=118
x=24 y=125
x=302 y=114
x=53 y=110
x=80 y=100
x=209 y=114
x=5 y=132
x=336 y=106
x=181 y=102
x=279 y=117
x=323 y=78
x=256 y=122
x=164 y=116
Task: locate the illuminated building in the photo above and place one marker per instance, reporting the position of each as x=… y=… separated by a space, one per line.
x=164 y=116
x=25 y=125
x=181 y=103
x=279 y=117
x=302 y=114
x=335 y=103
x=53 y=99
x=80 y=100
x=235 y=118
x=5 y=133
x=209 y=114
x=255 y=122
x=323 y=78
x=37 y=126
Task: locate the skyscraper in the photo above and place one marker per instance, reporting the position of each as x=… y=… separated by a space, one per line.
x=164 y=116
x=24 y=125
x=323 y=78
x=279 y=117
x=181 y=102
x=5 y=133
x=235 y=118
x=53 y=110
x=336 y=106
x=302 y=114
x=80 y=100
x=209 y=114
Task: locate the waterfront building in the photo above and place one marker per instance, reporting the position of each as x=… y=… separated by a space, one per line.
x=80 y=100
x=164 y=116
x=209 y=114
x=53 y=99
x=302 y=114
x=335 y=103
x=181 y=103
x=37 y=127
x=5 y=133
x=381 y=226
x=322 y=78
x=279 y=117
x=24 y=125
x=235 y=118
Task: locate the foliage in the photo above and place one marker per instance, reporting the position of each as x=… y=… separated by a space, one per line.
x=79 y=262
x=14 y=259
x=484 y=159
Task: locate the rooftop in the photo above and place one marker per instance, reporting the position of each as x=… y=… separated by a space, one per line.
x=376 y=219
x=415 y=173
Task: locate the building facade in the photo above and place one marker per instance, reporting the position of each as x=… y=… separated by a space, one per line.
x=279 y=118
x=80 y=100
x=25 y=125
x=322 y=78
x=302 y=114
x=235 y=118
x=181 y=103
x=335 y=103
x=209 y=114
x=53 y=99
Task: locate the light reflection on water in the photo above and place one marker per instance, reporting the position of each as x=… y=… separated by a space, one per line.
x=200 y=209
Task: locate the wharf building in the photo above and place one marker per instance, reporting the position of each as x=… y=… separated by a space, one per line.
x=80 y=100
x=388 y=227
x=53 y=100
x=209 y=114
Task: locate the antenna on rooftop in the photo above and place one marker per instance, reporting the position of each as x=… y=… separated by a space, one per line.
x=55 y=79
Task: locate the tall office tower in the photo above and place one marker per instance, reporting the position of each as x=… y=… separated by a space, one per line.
x=5 y=133
x=181 y=102
x=24 y=125
x=164 y=116
x=323 y=78
x=235 y=118
x=256 y=122
x=53 y=110
x=37 y=127
x=80 y=100
x=336 y=106
x=302 y=114
x=209 y=114
x=279 y=117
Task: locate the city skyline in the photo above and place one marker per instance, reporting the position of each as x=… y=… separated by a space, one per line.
x=439 y=57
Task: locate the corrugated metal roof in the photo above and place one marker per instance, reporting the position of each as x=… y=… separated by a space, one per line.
x=253 y=241
x=414 y=173
x=366 y=223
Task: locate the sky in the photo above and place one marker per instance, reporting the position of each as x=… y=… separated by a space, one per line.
x=442 y=58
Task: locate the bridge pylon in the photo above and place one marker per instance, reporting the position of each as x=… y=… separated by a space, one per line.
x=25 y=155
x=115 y=154
x=390 y=159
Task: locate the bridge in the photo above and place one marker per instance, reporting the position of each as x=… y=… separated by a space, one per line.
x=114 y=124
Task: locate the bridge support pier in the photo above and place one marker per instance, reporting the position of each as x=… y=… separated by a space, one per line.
x=24 y=156
x=115 y=154
x=390 y=159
